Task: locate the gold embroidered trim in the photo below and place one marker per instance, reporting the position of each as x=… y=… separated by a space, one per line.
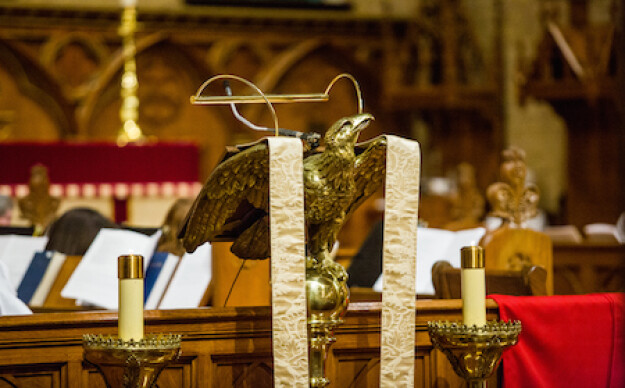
x=397 y=351
x=288 y=263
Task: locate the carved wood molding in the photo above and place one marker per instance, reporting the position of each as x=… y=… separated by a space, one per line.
x=403 y=64
x=422 y=65
x=34 y=82
x=577 y=61
x=205 y=21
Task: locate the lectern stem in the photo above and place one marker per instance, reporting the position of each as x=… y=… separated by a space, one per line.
x=477 y=384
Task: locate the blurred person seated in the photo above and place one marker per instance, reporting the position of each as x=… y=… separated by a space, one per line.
x=73 y=232
x=366 y=265
x=169 y=241
x=6 y=210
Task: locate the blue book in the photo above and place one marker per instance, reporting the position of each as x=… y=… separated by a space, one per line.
x=152 y=272
x=33 y=276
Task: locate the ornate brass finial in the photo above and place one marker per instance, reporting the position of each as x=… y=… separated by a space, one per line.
x=39 y=207
x=129 y=111
x=513 y=200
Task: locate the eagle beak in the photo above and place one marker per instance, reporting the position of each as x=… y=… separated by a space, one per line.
x=362 y=121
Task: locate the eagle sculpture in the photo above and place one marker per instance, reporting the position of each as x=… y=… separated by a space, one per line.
x=233 y=204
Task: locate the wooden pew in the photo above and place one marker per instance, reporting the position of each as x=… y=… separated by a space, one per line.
x=510 y=248
x=221 y=347
x=587 y=267
x=527 y=281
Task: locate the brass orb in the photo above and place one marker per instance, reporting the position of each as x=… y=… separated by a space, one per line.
x=327 y=292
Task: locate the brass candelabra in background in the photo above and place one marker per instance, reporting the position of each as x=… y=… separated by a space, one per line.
x=129 y=111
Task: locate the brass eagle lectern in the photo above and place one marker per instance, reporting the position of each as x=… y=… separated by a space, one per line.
x=234 y=204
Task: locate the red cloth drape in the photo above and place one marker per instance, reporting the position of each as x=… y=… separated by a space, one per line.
x=567 y=341
x=100 y=162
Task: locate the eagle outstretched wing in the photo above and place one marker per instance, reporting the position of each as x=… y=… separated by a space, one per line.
x=233 y=203
x=369 y=170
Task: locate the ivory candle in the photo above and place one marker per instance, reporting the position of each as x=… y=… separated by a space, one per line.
x=130 y=318
x=473 y=286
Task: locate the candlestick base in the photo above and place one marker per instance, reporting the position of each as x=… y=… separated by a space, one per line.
x=131 y=364
x=474 y=351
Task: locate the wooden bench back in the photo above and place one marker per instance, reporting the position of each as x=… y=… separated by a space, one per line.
x=527 y=281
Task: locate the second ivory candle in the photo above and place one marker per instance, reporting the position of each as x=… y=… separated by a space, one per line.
x=473 y=286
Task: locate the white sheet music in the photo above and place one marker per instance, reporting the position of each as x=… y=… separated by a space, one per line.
x=9 y=302
x=95 y=279
x=190 y=280
x=16 y=252
x=434 y=245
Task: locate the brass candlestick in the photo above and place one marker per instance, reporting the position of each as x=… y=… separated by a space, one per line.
x=131 y=364
x=474 y=351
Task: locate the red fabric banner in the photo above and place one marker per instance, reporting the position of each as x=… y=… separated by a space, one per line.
x=100 y=162
x=567 y=341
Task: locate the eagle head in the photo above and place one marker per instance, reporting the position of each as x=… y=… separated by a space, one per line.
x=345 y=131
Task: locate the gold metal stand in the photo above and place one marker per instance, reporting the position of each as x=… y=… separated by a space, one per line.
x=474 y=352
x=328 y=297
x=326 y=281
x=130 y=364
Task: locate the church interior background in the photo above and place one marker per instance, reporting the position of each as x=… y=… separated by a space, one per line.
x=466 y=79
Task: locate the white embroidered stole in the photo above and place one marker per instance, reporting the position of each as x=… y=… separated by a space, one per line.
x=288 y=263
x=399 y=263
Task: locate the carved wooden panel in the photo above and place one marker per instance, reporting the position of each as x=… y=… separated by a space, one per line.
x=586 y=268
x=356 y=368
x=577 y=71
x=242 y=370
x=94 y=379
x=35 y=376
x=596 y=162
x=178 y=374
x=403 y=65
x=22 y=117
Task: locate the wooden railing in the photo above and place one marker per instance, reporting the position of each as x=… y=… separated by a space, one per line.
x=221 y=347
